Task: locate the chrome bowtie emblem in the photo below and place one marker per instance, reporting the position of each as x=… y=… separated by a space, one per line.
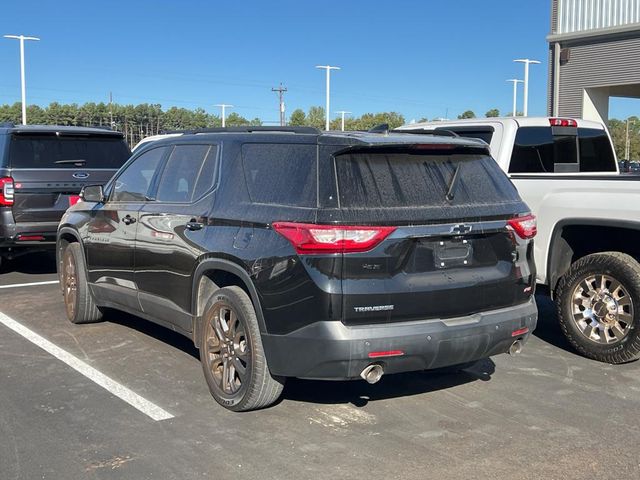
x=461 y=228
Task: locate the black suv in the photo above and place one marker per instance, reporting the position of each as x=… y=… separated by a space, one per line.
x=42 y=169
x=295 y=253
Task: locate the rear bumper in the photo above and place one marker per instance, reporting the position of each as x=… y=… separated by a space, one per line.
x=331 y=350
x=11 y=232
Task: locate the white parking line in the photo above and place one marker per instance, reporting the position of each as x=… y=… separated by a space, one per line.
x=120 y=391
x=16 y=285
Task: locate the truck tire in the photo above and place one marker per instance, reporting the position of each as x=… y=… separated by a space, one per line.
x=78 y=300
x=598 y=303
x=232 y=356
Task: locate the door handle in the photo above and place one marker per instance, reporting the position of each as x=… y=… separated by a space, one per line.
x=128 y=220
x=194 y=225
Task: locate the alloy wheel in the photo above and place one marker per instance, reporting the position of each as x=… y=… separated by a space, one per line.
x=602 y=309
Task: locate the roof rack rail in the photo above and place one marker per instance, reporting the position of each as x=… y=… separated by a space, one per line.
x=248 y=129
x=443 y=132
x=382 y=128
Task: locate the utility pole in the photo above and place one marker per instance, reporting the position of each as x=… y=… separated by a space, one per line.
x=328 y=69
x=111 y=110
x=515 y=82
x=280 y=90
x=526 y=62
x=626 y=143
x=22 y=38
x=223 y=106
x=342 y=114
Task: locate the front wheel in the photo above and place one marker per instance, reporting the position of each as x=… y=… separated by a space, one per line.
x=598 y=303
x=232 y=355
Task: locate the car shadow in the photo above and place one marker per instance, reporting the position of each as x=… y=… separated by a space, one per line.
x=548 y=328
x=357 y=393
x=163 y=334
x=36 y=263
x=360 y=393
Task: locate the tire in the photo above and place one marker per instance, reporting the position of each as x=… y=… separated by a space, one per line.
x=230 y=330
x=598 y=304
x=78 y=300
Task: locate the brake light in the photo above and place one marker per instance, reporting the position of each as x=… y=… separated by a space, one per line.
x=6 y=191
x=433 y=146
x=563 y=122
x=309 y=238
x=526 y=227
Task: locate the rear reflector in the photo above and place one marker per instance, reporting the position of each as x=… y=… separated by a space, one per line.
x=563 y=122
x=520 y=332
x=388 y=353
x=6 y=191
x=73 y=199
x=308 y=238
x=29 y=238
x=526 y=227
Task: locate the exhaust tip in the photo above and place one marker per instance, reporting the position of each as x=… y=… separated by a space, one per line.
x=372 y=373
x=515 y=348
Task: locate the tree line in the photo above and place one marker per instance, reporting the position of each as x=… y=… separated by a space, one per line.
x=139 y=121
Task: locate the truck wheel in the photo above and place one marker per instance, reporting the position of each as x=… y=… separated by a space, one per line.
x=598 y=302
x=232 y=356
x=78 y=300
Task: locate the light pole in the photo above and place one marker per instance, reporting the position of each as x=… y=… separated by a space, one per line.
x=526 y=62
x=515 y=82
x=328 y=69
x=223 y=106
x=22 y=38
x=342 y=114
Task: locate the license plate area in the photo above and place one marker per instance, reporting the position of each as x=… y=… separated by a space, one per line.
x=452 y=253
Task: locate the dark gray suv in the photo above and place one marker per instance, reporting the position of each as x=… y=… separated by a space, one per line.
x=295 y=253
x=42 y=170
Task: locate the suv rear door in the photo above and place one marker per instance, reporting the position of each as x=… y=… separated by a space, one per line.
x=451 y=253
x=49 y=168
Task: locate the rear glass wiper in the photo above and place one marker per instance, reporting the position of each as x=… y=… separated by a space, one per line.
x=80 y=160
x=453 y=184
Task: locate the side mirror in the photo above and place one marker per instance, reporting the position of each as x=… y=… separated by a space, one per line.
x=92 y=193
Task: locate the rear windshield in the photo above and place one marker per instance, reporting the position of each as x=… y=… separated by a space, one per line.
x=48 y=151
x=543 y=150
x=399 y=179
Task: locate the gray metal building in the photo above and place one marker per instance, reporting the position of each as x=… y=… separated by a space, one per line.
x=594 y=54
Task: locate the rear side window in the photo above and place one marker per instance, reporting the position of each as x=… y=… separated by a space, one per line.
x=182 y=171
x=281 y=174
x=50 y=151
x=393 y=179
x=596 y=154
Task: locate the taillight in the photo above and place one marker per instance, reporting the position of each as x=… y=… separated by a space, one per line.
x=6 y=191
x=526 y=227
x=563 y=122
x=309 y=238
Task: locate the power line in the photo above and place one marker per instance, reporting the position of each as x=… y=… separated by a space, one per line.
x=280 y=90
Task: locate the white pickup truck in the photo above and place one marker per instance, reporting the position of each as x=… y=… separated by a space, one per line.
x=588 y=243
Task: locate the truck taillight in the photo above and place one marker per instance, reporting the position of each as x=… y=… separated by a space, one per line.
x=563 y=122
x=309 y=238
x=6 y=191
x=526 y=227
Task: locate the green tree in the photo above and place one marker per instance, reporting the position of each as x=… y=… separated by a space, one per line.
x=467 y=114
x=298 y=118
x=494 y=112
x=315 y=117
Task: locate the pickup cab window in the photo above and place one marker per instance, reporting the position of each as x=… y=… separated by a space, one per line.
x=561 y=150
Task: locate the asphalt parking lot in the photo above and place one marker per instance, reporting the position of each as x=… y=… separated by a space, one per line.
x=546 y=413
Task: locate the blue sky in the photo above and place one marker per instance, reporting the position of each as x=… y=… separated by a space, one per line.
x=420 y=58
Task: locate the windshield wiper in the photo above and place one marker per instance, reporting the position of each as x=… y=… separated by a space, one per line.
x=453 y=184
x=80 y=160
